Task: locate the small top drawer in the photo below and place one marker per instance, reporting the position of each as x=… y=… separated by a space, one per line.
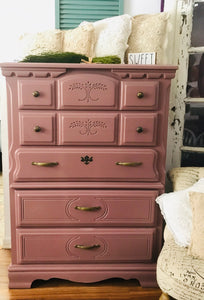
x=36 y=94
x=37 y=128
x=87 y=91
x=139 y=129
x=140 y=95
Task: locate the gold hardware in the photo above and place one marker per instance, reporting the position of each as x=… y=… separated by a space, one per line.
x=84 y=208
x=37 y=128
x=140 y=95
x=45 y=164
x=139 y=129
x=36 y=94
x=129 y=164
x=87 y=247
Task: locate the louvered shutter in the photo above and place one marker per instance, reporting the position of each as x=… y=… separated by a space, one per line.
x=70 y=13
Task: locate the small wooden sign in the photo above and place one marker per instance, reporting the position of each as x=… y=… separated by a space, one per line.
x=143 y=58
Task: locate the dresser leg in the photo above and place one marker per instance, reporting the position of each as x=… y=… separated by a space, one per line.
x=164 y=296
x=147 y=280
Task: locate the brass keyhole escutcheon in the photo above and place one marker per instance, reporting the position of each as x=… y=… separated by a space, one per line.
x=37 y=128
x=140 y=95
x=139 y=129
x=36 y=94
x=86 y=159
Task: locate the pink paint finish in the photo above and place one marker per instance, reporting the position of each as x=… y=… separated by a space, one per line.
x=139 y=129
x=139 y=95
x=36 y=94
x=87 y=245
x=84 y=164
x=37 y=129
x=85 y=208
x=87 y=128
x=87 y=91
x=87 y=147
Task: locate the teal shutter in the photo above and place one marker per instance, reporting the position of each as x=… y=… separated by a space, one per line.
x=70 y=13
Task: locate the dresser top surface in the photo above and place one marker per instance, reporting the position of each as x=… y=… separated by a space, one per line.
x=19 y=65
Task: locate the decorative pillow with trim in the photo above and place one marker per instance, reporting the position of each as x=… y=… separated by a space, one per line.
x=196 y=247
x=111 y=36
x=79 y=40
x=149 y=34
x=36 y=43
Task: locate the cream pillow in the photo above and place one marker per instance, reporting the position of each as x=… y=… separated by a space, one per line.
x=36 y=43
x=111 y=36
x=79 y=40
x=176 y=210
x=184 y=177
x=196 y=247
x=149 y=35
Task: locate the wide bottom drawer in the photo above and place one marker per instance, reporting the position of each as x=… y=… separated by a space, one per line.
x=85 y=245
x=39 y=208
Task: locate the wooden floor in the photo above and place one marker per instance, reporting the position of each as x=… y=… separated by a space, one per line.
x=65 y=290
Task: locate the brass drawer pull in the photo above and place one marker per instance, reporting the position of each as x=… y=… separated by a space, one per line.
x=139 y=129
x=87 y=247
x=129 y=164
x=140 y=95
x=45 y=164
x=84 y=208
x=36 y=94
x=37 y=128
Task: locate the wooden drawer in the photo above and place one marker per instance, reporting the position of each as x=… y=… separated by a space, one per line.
x=86 y=164
x=138 y=129
x=140 y=95
x=37 y=128
x=87 y=128
x=87 y=91
x=36 y=94
x=81 y=207
x=87 y=245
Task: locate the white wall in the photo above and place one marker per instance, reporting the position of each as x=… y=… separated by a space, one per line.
x=17 y=17
x=136 y=7
x=21 y=16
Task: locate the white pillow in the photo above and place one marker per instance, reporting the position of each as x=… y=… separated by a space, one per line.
x=111 y=36
x=177 y=212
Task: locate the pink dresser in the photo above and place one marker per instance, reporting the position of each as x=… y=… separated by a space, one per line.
x=87 y=146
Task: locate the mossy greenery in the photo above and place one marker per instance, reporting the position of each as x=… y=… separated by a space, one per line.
x=56 y=57
x=69 y=57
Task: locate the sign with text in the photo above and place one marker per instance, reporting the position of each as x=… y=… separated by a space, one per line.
x=146 y=58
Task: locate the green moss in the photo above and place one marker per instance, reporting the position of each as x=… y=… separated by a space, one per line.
x=69 y=57
x=107 y=60
x=56 y=57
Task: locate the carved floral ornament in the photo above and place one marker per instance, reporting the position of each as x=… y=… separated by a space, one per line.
x=88 y=87
x=88 y=127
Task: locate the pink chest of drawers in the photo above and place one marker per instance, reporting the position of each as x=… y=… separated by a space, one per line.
x=87 y=148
